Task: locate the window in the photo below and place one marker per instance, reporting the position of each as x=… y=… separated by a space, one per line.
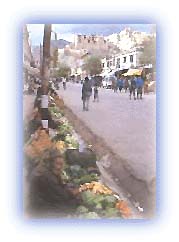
x=118 y=62
x=108 y=64
x=124 y=59
x=113 y=61
x=88 y=40
x=131 y=58
x=103 y=65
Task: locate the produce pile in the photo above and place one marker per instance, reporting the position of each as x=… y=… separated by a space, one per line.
x=40 y=142
x=97 y=200
x=80 y=171
x=65 y=135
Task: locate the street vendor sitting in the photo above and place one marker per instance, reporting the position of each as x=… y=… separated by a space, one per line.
x=48 y=196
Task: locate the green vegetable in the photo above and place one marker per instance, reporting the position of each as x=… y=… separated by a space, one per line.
x=111 y=213
x=89 y=178
x=75 y=168
x=71 y=140
x=88 y=198
x=91 y=215
x=109 y=201
x=91 y=199
x=81 y=209
x=98 y=207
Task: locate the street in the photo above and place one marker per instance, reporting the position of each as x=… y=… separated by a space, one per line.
x=127 y=126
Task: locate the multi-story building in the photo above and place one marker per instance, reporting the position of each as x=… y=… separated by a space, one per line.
x=27 y=54
x=90 y=42
x=28 y=62
x=122 y=61
x=94 y=44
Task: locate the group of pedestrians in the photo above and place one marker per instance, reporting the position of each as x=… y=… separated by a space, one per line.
x=134 y=84
x=57 y=81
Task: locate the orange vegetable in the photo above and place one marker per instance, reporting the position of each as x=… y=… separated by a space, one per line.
x=38 y=145
x=95 y=187
x=124 y=209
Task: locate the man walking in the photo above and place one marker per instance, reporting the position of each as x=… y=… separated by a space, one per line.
x=86 y=93
x=132 y=87
x=139 y=86
x=64 y=83
x=120 y=83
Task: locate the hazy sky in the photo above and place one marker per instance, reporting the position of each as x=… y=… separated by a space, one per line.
x=67 y=31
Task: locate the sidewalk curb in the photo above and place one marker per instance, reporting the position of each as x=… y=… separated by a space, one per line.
x=130 y=185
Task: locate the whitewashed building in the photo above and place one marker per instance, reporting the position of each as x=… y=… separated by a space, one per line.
x=122 y=61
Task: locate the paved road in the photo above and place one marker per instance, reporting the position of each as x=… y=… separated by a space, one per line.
x=127 y=126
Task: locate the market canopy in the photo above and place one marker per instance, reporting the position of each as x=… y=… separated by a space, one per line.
x=133 y=72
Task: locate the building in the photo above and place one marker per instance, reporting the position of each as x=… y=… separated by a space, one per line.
x=27 y=54
x=74 y=58
x=28 y=61
x=122 y=61
x=128 y=39
x=90 y=42
x=94 y=44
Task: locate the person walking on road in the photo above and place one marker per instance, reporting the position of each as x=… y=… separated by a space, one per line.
x=132 y=87
x=64 y=83
x=139 y=86
x=114 y=84
x=96 y=95
x=126 y=84
x=86 y=93
x=120 y=84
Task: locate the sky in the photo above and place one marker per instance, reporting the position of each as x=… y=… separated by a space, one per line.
x=67 y=31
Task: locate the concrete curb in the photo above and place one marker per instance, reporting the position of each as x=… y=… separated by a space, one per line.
x=133 y=188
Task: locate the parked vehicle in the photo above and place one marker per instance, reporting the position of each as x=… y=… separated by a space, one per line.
x=107 y=82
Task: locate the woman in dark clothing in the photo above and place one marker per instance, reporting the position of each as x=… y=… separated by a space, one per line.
x=48 y=195
x=86 y=93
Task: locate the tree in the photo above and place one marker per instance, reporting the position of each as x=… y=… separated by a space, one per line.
x=148 y=55
x=55 y=52
x=63 y=70
x=55 y=57
x=93 y=65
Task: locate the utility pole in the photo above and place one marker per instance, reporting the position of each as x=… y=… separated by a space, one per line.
x=46 y=54
x=45 y=74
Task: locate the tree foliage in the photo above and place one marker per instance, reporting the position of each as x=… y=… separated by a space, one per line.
x=93 y=65
x=63 y=70
x=55 y=57
x=148 y=55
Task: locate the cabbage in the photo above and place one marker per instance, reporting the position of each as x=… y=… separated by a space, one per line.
x=111 y=213
x=91 y=215
x=81 y=209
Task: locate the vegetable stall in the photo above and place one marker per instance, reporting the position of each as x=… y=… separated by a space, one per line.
x=80 y=170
